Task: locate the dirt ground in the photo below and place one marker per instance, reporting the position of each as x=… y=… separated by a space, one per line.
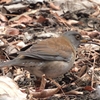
x=24 y=22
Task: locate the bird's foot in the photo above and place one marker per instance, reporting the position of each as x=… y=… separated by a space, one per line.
x=41 y=92
x=43 y=83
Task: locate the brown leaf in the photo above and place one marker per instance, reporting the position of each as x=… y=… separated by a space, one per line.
x=41 y=19
x=2 y=57
x=82 y=71
x=97 y=11
x=53 y=6
x=60 y=19
x=3 y=18
x=12 y=31
x=24 y=19
x=93 y=34
x=5 y=1
x=88 y=88
x=44 y=93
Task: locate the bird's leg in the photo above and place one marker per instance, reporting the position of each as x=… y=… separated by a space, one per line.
x=40 y=83
x=42 y=92
x=43 y=82
x=57 y=84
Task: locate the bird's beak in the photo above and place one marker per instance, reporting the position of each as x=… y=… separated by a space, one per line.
x=84 y=40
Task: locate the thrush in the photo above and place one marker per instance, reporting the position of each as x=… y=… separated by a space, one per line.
x=53 y=56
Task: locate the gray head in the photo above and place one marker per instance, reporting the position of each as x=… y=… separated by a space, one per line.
x=74 y=37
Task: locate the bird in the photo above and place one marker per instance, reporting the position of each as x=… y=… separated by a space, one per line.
x=52 y=56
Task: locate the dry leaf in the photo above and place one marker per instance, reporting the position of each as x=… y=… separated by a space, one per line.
x=97 y=12
x=3 y=18
x=75 y=69
x=12 y=31
x=93 y=34
x=41 y=19
x=5 y=1
x=88 y=88
x=9 y=90
x=72 y=22
x=60 y=19
x=54 y=6
x=21 y=44
x=44 y=93
x=24 y=19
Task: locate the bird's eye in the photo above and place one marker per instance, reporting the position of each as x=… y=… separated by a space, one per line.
x=78 y=37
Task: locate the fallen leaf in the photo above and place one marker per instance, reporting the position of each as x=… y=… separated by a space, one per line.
x=21 y=44
x=44 y=93
x=88 y=88
x=3 y=18
x=24 y=19
x=12 y=31
x=73 y=22
x=97 y=12
x=9 y=90
x=75 y=69
x=5 y=1
x=41 y=19
x=53 y=6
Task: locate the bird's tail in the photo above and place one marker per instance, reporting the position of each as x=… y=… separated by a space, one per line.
x=10 y=63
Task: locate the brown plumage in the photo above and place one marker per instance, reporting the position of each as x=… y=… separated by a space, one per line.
x=52 y=57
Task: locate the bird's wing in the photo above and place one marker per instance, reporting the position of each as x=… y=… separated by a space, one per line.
x=50 y=49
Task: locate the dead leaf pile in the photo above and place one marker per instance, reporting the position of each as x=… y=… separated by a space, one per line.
x=22 y=22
